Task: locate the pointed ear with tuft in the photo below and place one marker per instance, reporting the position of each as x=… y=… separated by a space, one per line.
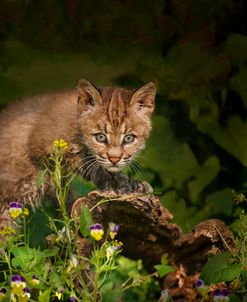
x=88 y=96
x=143 y=98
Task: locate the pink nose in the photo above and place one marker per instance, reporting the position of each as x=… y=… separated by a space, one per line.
x=114 y=160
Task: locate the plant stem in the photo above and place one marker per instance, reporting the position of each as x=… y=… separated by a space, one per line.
x=96 y=285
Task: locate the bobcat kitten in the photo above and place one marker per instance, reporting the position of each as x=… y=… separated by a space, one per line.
x=105 y=128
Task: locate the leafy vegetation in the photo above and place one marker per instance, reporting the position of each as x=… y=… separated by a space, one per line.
x=60 y=272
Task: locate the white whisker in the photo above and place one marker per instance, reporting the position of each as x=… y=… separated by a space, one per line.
x=94 y=171
x=137 y=165
x=78 y=164
x=89 y=169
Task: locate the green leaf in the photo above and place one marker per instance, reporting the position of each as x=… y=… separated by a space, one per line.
x=163 y=269
x=231 y=138
x=221 y=202
x=185 y=216
x=80 y=187
x=167 y=155
x=27 y=258
x=219 y=269
x=110 y=293
x=187 y=67
x=40 y=177
x=45 y=296
x=85 y=220
x=205 y=174
x=238 y=83
x=236 y=45
x=234 y=298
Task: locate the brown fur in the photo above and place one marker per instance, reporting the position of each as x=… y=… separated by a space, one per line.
x=29 y=126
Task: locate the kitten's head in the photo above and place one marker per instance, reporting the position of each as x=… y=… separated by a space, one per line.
x=115 y=122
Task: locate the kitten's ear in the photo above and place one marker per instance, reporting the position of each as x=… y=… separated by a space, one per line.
x=88 y=95
x=143 y=98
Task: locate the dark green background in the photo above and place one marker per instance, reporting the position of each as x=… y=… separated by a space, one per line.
x=195 y=50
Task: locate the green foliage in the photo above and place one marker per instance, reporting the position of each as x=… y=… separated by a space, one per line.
x=28 y=259
x=85 y=220
x=80 y=187
x=40 y=177
x=219 y=269
x=221 y=202
x=45 y=296
x=60 y=272
x=231 y=266
x=130 y=282
x=163 y=269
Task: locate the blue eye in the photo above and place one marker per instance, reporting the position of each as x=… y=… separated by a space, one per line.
x=129 y=138
x=101 y=137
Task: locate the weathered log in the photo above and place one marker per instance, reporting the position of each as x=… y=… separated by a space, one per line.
x=147 y=232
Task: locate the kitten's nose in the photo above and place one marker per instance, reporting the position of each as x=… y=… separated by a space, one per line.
x=114 y=160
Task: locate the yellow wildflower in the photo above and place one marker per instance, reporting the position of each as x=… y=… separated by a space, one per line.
x=60 y=144
x=35 y=280
x=25 y=211
x=59 y=294
x=25 y=295
x=96 y=231
x=18 y=283
x=7 y=231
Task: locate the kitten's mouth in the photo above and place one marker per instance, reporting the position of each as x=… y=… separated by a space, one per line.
x=112 y=168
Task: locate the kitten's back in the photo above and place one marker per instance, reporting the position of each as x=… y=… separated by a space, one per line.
x=26 y=121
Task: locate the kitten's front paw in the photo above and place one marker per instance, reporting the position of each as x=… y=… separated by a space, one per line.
x=142 y=187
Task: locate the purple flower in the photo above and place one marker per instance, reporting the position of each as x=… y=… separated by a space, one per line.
x=3 y=292
x=26 y=291
x=199 y=283
x=17 y=279
x=201 y=287
x=225 y=292
x=15 y=209
x=113 y=249
x=96 y=226
x=221 y=295
x=113 y=229
x=217 y=292
x=18 y=283
x=96 y=231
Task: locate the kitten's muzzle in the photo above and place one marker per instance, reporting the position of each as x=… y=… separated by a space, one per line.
x=114 y=160
x=114 y=163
